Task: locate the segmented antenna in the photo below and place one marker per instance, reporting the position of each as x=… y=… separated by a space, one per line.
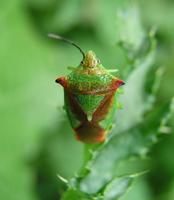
x=58 y=37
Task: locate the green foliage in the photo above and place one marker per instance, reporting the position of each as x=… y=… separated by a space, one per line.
x=138 y=131
x=37 y=143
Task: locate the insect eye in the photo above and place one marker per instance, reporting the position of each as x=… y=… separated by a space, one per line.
x=82 y=62
x=98 y=61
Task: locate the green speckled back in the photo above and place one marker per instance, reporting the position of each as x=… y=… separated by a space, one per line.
x=88 y=82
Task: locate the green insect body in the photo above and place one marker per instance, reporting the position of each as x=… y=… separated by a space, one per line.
x=90 y=98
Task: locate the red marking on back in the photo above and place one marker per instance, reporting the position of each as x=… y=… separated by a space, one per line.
x=75 y=107
x=89 y=132
x=104 y=107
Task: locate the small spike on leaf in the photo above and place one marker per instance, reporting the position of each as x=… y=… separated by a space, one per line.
x=62 y=179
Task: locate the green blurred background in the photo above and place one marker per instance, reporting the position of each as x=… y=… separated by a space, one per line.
x=36 y=141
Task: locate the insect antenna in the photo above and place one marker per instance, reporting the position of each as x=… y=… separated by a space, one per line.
x=58 y=37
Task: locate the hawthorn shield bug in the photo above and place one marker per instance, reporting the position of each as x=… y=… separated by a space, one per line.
x=89 y=96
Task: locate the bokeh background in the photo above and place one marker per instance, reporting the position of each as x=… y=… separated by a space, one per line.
x=36 y=141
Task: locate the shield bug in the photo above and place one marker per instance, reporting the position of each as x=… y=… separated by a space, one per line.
x=90 y=97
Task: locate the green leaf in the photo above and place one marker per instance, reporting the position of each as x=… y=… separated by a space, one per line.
x=117 y=187
x=127 y=21
x=134 y=99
